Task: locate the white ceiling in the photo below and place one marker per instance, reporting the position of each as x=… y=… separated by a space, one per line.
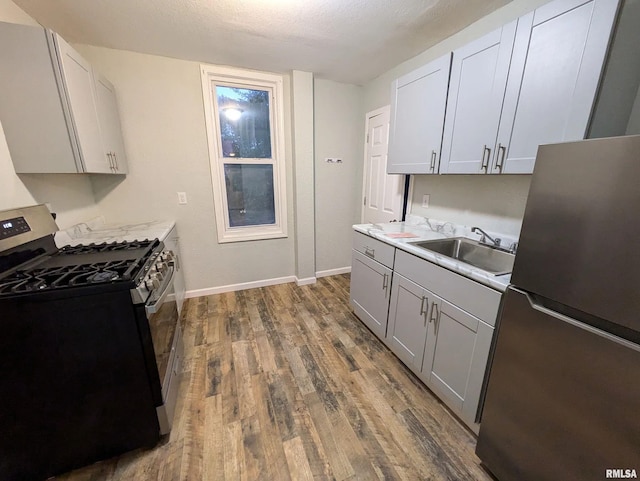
x=349 y=41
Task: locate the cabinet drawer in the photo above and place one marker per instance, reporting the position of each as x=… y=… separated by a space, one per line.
x=476 y=299
x=373 y=248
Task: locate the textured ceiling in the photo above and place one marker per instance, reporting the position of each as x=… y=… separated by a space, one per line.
x=350 y=41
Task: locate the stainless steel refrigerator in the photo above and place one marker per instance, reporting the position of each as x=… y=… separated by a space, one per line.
x=563 y=392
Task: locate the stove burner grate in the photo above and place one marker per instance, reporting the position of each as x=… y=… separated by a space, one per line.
x=104 y=247
x=60 y=277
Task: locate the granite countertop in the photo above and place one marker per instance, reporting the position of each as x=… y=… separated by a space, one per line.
x=429 y=230
x=97 y=231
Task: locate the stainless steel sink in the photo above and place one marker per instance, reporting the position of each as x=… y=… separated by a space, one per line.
x=494 y=261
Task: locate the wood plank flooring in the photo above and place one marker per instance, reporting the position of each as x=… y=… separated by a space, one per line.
x=285 y=383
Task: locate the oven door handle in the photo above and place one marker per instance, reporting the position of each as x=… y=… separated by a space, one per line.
x=152 y=308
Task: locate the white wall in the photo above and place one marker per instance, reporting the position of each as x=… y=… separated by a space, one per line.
x=492 y=202
x=70 y=196
x=303 y=175
x=500 y=205
x=339 y=132
x=162 y=114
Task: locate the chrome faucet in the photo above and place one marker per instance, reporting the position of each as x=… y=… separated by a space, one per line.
x=484 y=236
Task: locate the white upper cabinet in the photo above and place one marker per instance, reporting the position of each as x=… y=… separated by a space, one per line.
x=56 y=116
x=109 y=121
x=559 y=53
x=478 y=81
x=418 y=102
x=80 y=93
x=532 y=82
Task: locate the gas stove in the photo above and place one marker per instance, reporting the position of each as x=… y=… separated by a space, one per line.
x=92 y=344
x=81 y=266
x=140 y=266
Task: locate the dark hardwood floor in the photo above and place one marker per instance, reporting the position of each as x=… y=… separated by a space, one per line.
x=285 y=383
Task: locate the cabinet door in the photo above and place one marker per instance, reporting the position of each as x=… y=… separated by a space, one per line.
x=34 y=121
x=558 y=57
x=78 y=80
x=456 y=357
x=418 y=104
x=370 y=286
x=109 y=120
x=478 y=80
x=408 y=314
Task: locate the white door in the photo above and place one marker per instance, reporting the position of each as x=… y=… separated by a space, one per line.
x=382 y=192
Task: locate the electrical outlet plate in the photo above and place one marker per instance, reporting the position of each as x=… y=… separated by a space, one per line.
x=333 y=160
x=425 y=200
x=182 y=198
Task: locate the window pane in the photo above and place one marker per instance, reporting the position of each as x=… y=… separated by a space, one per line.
x=250 y=194
x=244 y=122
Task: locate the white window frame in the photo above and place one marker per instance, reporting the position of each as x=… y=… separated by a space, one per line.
x=225 y=76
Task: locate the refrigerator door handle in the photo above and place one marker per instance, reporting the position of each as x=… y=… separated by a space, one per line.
x=578 y=324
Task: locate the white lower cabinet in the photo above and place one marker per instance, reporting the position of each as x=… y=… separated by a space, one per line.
x=455 y=359
x=371 y=268
x=408 y=313
x=440 y=326
x=439 y=323
x=370 y=287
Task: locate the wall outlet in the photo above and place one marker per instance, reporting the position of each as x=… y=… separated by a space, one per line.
x=182 y=198
x=333 y=160
x=425 y=200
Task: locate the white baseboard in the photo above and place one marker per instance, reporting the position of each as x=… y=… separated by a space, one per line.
x=264 y=283
x=334 y=272
x=240 y=287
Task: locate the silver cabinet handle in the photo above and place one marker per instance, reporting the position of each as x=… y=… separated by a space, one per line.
x=436 y=318
x=486 y=155
x=115 y=161
x=424 y=303
x=370 y=252
x=502 y=151
x=424 y=300
x=385 y=276
x=433 y=161
x=110 y=161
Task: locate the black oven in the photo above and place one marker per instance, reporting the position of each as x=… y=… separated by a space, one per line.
x=90 y=349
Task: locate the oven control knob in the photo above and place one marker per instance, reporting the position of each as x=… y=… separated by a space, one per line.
x=155 y=280
x=162 y=266
x=152 y=282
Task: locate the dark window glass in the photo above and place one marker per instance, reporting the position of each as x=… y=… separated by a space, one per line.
x=250 y=194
